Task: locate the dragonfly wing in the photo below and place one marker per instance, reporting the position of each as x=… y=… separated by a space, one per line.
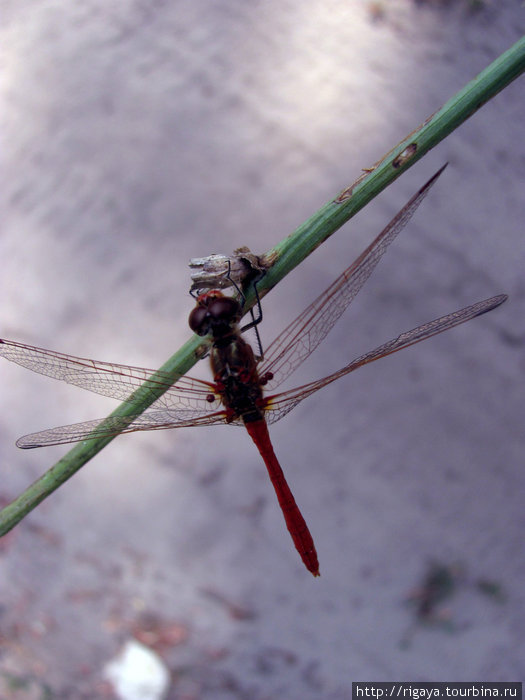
x=303 y=335
x=113 y=425
x=281 y=404
x=113 y=380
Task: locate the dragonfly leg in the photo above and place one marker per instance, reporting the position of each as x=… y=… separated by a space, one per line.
x=255 y=320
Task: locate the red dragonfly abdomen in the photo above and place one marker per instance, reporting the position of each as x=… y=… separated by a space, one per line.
x=297 y=527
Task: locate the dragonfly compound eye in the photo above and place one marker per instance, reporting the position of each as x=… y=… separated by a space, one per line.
x=214 y=311
x=224 y=309
x=199 y=320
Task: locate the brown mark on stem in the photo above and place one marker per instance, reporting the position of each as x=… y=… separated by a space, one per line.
x=405 y=155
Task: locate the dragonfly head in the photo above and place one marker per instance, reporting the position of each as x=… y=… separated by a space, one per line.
x=215 y=313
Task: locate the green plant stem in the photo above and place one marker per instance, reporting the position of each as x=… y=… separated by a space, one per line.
x=292 y=250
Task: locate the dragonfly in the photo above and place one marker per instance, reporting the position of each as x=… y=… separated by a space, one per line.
x=242 y=390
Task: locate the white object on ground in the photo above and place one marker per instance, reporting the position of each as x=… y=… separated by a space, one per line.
x=137 y=673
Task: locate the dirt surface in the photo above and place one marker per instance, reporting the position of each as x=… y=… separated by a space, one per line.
x=138 y=135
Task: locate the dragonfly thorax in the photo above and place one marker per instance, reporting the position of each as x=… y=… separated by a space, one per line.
x=236 y=379
x=232 y=359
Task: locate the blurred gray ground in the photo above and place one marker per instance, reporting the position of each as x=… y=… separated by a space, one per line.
x=137 y=135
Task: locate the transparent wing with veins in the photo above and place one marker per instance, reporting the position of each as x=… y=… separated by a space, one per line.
x=280 y=404
x=111 y=426
x=187 y=402
x=109 y=379
x=284 y=355
x=183 y=404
